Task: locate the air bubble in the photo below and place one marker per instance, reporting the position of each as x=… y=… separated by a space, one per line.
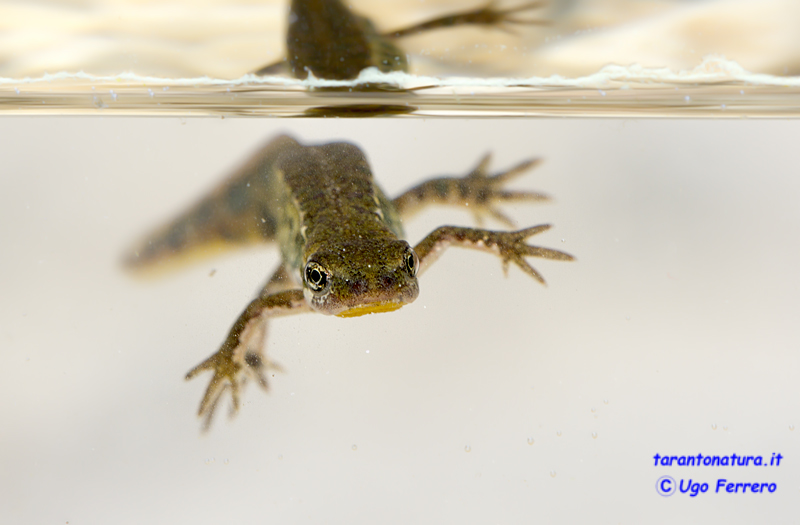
x=530 y=441
x=594 y=410
x=713 y=426
x=605 y=401
x=791 y=427
x=354 y=447
x=467 y=448
x=552 y=473
x=594 y=435
x=558 y=433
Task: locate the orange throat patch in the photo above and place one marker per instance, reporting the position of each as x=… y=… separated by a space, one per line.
x=374 y=308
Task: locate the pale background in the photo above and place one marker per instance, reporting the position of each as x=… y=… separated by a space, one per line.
x=675 y=332
x=228 y=38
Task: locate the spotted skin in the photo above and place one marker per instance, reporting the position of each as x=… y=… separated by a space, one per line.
x=340 y=238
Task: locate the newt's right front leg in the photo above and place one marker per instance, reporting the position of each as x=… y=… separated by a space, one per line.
x=241 y=353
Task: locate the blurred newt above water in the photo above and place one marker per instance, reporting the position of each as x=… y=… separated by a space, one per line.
x=340 y=238
x=327 y=39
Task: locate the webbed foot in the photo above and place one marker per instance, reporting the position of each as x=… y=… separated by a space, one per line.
x=476 y=191
x=240 y=358
x=511 y=248
x=490 y=15
x=485 y=191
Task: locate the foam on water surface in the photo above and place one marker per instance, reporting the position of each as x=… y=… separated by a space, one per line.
x=712 y=70
x=717 y=87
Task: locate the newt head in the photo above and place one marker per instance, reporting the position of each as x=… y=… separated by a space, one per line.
x=361 y=277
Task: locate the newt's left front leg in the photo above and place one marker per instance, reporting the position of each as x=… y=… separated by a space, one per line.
x=488 y=15
x=477 y=191
x=509 y=246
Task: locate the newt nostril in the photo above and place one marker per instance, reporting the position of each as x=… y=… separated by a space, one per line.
x=388 y=282
x=359 y=286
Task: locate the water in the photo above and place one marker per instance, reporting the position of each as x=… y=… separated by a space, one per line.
x=595 y=58
x=681 y=308
x=717 y=88
x=686 y=227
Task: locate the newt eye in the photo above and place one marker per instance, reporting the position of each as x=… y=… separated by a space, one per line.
x=316 y=276
x=412 y=262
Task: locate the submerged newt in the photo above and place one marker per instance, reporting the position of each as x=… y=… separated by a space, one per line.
x=340 y=237
x=326 y=38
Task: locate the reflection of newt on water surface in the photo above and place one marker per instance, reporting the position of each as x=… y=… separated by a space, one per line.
x=327 y=39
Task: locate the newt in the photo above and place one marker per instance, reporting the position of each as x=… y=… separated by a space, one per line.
x=341 y=241
x=327 y=39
